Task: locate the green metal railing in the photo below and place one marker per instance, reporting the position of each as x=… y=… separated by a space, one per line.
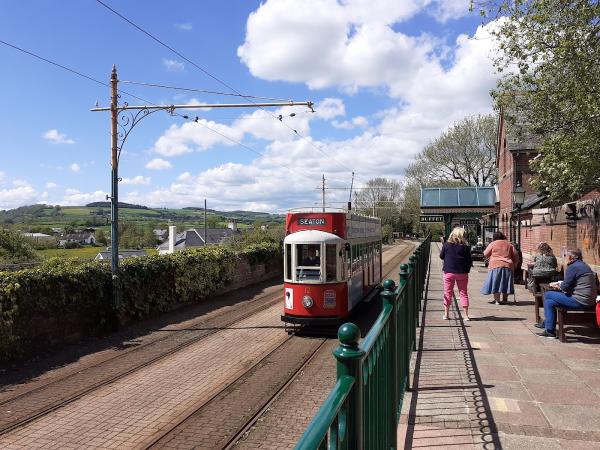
x=363 y=409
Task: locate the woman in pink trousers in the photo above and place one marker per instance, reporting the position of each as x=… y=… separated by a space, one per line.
x=456 y=254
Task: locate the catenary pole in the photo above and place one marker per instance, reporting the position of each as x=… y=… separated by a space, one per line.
x=204 y=221
x=114 y=186
x=137 y=113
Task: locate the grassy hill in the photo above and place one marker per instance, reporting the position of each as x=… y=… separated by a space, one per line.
x=97 y=215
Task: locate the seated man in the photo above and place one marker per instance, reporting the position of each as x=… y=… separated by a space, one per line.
x=577 y=291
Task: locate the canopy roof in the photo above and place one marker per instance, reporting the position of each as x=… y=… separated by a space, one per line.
x=456 y=197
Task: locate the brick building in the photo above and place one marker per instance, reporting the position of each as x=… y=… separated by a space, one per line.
x=566 y=226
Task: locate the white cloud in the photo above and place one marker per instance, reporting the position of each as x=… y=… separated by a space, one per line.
x=356 y=122
x=57 y=138
x=445 y=10
x=2 y=177
x=17 y=196
x=355 y=49
x=75 y=167
x=329 y=108
x=158 y=164
x=184 y=26
x=185 y=176
x=260 y=124
x=74 y=197
x=135 y=180
x=432 y=84
x=173 y=65
x=356 y=41
x=50 y=185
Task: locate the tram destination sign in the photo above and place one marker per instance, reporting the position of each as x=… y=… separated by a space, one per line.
x=431 y=219
x=311 y=221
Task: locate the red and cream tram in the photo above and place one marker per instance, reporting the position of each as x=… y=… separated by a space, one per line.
x=332 y=261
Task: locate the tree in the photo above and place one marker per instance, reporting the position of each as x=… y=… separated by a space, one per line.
x=381 y=197
x=213 y=221
x=101 y=237
x=14 y=248
x=553 y=50
x=466 y=153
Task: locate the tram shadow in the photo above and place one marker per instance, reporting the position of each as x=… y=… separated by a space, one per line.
x=364 y=316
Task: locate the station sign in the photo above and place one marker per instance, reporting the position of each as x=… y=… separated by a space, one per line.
x=468 y=221
x=311 y=221
x=431 y=219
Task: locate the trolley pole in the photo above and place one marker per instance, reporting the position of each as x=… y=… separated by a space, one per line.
x=114 y=186
x=323 y=193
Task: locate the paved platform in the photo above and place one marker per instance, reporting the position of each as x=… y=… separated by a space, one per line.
x=492 y=383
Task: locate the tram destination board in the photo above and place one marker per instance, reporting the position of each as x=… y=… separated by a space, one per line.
x=431 y=219
x=311 y=221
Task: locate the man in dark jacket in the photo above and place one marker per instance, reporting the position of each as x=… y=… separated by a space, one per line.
x=577 y=291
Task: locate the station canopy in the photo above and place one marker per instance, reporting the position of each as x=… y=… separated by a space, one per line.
x=458 y=198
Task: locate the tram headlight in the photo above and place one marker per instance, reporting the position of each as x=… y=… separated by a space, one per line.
x=307 y=301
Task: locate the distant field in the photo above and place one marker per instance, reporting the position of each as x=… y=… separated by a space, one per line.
x=98 y=217
x=80 y=253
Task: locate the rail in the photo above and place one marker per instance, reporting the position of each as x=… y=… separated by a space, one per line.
x=363 y=409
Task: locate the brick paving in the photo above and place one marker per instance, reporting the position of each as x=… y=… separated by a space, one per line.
x=94 y=353
x=131 y=411
x=135 y=410
x=492 y=383
x=283 y=423
x=220 y=420
x=74 y=384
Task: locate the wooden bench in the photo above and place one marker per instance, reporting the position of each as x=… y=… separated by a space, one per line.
x=566 y=316
x=540 y=285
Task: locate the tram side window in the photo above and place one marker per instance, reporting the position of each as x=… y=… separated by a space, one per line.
x=355 y=258
x=308 y=262
x=288 y=261
x=349 y=261
x=331 y=262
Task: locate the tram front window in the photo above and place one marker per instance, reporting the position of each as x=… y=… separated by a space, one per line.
x=308 y=262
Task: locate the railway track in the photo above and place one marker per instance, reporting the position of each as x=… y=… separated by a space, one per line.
x=239 y=406
x=264 y=383
x=27 y=406
x=218 y=422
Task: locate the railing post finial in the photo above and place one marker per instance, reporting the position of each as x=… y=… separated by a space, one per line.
x=349 y=356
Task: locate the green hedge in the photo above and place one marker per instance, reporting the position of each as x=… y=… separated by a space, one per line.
x=44 y=306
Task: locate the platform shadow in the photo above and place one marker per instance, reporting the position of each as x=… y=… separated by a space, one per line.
x=482 y=421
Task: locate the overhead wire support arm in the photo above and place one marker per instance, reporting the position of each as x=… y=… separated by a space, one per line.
x=205 y=106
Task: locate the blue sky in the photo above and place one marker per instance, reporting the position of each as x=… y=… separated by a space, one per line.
x=386 y=77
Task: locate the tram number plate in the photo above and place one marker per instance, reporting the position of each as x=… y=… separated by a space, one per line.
x=329 y=299
x=311 y=221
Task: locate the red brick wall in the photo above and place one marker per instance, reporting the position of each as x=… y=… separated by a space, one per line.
x=561 y=234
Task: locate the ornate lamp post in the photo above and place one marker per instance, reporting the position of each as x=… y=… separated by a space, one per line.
x=518 y=200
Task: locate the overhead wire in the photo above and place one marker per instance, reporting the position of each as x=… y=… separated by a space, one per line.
x=173 y=113
x=218 y=80
x=121 y=91
x=203 y=91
